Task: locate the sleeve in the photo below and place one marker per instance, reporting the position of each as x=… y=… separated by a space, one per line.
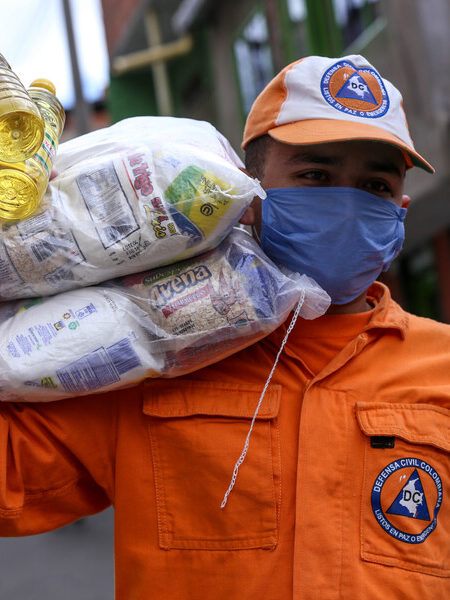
x=56 y=462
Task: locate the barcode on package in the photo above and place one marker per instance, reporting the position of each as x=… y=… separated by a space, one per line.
x=99 y=368
x=90 y=372
x=107 y=204
x=43 y=249
x=8 y=274
x=123 y=356
x=34 y=225
x=59 y=278
x=50 y=246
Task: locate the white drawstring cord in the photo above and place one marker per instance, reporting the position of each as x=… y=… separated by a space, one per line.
x=241 y=458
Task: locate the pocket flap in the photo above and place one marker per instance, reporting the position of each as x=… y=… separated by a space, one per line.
x=415 y=423
x=184 y=398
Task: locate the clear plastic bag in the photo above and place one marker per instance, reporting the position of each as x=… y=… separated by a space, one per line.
x=160 y=323
x=145 y=192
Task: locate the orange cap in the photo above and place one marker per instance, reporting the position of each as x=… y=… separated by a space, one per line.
x=319 y=100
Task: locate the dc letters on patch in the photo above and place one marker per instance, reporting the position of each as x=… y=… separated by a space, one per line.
x=406 y=498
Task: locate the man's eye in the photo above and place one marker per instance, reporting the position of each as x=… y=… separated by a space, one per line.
x=378 y=186
x=314 y=175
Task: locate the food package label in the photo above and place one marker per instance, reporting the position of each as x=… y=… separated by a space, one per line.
x=74 y=343
x=122 y=211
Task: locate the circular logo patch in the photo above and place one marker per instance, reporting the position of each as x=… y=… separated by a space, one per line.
x=406 y=498
x=358 y=92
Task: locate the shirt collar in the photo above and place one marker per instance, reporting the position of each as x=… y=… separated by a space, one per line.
x=386 y=314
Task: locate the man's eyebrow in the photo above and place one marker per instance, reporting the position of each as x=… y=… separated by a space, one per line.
x=381 y=166
x=384 y=167
x=319 y=159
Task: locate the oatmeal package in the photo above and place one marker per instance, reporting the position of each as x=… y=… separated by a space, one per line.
x=160 y=323
x=145 y=192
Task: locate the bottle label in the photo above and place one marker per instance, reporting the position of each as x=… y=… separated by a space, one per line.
x=46 y=153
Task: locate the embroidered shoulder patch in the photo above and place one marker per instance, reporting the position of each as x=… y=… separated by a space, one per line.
x=406 y=498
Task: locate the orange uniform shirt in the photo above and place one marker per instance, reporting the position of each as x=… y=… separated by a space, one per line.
x=344 y=493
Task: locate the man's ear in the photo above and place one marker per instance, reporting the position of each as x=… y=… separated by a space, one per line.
x=405 y=201
x=244 y=170
x=248 y=218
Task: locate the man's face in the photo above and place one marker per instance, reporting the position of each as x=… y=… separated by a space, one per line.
x=370 y=166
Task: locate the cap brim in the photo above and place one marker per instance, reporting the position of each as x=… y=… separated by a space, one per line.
x=323 y=131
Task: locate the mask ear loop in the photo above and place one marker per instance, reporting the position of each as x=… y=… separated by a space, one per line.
x=241 y=458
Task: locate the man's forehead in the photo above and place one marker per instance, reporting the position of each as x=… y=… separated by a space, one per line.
x=375 y=156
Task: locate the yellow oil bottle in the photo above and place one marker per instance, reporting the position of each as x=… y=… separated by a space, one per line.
x=21 y=124
x=23 y=184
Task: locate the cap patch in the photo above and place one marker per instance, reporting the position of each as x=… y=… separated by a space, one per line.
x=358 y=92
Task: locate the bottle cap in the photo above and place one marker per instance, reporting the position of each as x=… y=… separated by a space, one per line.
x=46 y=84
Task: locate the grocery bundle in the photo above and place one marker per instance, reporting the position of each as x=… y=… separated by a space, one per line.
x=131 y=266
x=159 y=323
x=142 y=193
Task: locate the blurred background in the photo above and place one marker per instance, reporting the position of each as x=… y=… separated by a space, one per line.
x=208 y=59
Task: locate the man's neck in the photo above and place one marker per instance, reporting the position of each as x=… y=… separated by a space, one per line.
x=358 y=305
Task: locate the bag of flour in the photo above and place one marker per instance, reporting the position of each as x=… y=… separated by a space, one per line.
x=160 y=323
x=145 y=192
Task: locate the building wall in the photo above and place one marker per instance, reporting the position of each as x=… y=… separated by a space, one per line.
x=417 y=59
x=118 y=16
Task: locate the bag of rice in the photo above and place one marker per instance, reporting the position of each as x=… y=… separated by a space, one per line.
x=161 y=323
x=145 y=192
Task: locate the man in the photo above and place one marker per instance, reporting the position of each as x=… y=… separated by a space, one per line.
x=344 y=491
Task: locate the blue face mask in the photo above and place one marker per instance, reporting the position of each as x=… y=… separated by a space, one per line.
x=341 y=237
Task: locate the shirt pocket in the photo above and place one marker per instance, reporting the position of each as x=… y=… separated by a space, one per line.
x=405 y=517
x=197 y=431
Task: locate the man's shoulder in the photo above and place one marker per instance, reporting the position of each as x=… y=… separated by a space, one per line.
x=427 y=338
x=426 y=325
x=412 y=322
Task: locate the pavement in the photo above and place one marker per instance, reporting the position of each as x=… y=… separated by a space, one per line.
x=70 y=563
